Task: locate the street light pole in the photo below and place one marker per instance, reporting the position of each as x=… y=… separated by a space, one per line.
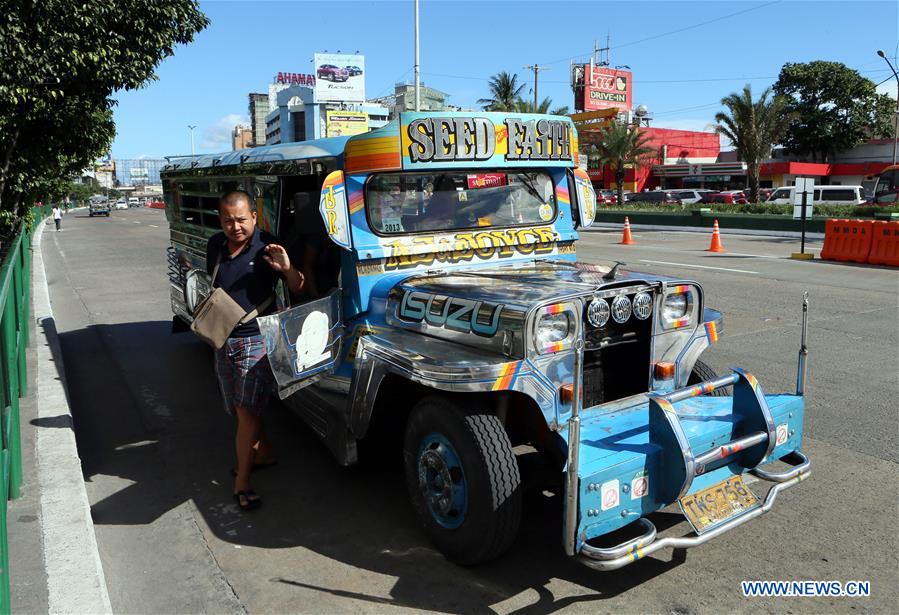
x=896 y=118
x=192 y=152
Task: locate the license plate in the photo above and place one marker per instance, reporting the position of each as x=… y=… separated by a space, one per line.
x=714 y=505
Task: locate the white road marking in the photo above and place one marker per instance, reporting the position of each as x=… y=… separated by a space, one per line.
x=155 y=225
x=135 y=221
x=699 y=266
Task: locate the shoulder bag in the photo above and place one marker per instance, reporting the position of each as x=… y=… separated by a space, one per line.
x=218 y=314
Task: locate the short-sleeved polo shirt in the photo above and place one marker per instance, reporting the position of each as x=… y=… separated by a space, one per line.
x=247 y=278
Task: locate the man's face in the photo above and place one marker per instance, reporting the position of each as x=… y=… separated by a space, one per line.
x=238 y=222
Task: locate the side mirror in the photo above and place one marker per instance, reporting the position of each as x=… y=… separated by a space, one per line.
x=334 y=210
x=585 y=196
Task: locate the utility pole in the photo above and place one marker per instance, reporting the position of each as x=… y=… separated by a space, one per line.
x=895 y=119
x=192 y=153
x=536 y=69
x=417 y=67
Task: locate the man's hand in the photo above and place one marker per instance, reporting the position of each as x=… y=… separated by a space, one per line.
x=277 y=258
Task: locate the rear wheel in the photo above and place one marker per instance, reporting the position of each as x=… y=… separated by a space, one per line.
x=702 y=372
x=463 y=480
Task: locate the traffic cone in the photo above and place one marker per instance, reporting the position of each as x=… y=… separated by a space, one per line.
x=716 y=240
x=626 y=238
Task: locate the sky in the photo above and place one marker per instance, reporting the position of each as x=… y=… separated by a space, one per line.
x=685 y=56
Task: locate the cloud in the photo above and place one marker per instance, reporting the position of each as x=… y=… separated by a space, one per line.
x=217 y=137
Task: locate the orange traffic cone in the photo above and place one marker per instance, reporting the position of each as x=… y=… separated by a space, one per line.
x=716 y=240
x=626 y=238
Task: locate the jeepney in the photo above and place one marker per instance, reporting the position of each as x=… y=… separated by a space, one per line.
x=451 y=319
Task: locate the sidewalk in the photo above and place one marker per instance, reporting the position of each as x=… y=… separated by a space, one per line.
x=54 y=562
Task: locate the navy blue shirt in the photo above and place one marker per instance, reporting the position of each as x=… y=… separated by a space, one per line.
x=247 y=278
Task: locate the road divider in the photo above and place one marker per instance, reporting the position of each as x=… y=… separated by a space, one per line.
x=884 y=244
x=861 y=241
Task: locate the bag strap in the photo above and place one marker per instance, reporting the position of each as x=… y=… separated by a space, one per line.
x=215 y=270
x=259 y=309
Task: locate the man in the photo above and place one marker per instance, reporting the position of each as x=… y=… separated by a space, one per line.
x=247 y=263
x=57 y=217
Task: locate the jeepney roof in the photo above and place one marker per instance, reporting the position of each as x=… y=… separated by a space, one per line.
x=320 y=148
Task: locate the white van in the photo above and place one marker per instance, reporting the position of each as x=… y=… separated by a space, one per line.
x=133 y=201
x=833 y=195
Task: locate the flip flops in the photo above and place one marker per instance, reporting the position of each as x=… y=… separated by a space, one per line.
x=247 y=499
x=258 y=466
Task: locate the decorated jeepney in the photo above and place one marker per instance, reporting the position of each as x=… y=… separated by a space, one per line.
x=448 y=317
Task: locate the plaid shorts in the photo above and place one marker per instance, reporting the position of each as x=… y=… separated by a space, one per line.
x=244 y=376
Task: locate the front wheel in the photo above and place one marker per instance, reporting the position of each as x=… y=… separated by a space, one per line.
x=702 y=372
x=463 y=480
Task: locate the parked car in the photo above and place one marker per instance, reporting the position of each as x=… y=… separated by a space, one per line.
x=353 y=70
x=690 y=197
x=729 y=197
x=834 y=195
x=606 y=197
x=654 y=196
x=332 y=73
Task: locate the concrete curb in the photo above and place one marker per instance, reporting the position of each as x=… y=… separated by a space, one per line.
x=75 y=579
x=607 y=226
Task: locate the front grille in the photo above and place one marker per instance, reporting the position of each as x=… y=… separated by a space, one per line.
x=616 y=359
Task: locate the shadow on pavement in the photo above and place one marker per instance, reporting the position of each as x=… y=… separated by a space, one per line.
x=146 y=409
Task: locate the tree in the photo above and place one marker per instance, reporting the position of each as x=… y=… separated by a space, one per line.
x=833 y=108
x=527 y=106
x=618 y=146
x=505 y=91
x=753 y=128
x=62 y=61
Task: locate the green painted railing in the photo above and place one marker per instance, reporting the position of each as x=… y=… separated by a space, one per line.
x=15 y=303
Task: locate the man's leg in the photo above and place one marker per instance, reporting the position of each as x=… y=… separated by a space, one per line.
x=263 y=449
x=248 y=427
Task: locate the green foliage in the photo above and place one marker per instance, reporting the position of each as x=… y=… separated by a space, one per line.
x=833 y=108
x=62 y=61
x=618 y=146
x=753 y=127
x=505 y=93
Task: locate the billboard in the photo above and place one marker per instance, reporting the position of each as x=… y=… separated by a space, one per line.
x=345 y=123
x=603 y=88
x=339 y=78
x=140 y=174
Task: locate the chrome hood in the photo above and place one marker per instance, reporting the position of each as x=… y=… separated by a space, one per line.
x=488 y=307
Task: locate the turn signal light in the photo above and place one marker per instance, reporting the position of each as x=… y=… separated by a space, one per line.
x=566 y=393
x=664 y=370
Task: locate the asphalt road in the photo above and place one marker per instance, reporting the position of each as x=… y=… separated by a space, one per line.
x=157 y=449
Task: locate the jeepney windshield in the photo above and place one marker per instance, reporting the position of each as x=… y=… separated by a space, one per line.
x=458 y=200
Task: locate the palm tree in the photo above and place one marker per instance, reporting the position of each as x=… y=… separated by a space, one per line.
x=618 y=146
x=505 y=91
x=753 y=128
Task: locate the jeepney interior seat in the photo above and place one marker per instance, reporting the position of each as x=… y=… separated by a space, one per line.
x=304 y=236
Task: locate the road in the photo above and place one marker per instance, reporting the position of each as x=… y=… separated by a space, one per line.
x=156 y=451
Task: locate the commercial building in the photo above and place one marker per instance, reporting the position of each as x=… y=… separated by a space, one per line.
x=258 y=110
x=241 y=137
x=403 y=99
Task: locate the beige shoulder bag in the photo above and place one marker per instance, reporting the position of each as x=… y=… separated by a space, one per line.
x=218 y=314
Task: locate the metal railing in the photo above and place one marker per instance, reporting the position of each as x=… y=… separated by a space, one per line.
x=15 y=304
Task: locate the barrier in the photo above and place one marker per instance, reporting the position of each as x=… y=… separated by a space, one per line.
x=884 y=244
x=15 y=302
x=847 y=240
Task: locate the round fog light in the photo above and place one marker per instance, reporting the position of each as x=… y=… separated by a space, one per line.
x=642 y=305
x=598 y=312
x=621 y=309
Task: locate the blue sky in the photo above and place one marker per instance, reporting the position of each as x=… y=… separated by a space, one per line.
x=685 y=56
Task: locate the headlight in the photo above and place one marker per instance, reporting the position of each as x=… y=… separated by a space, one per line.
x=598 y=312
x=553 y=328
x=675 y=306
x=556 y=326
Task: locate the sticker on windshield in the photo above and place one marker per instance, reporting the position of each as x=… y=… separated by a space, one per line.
x=546 y=212
x=392 y=225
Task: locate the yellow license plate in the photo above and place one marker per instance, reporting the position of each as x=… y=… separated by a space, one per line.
x=714 y=505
